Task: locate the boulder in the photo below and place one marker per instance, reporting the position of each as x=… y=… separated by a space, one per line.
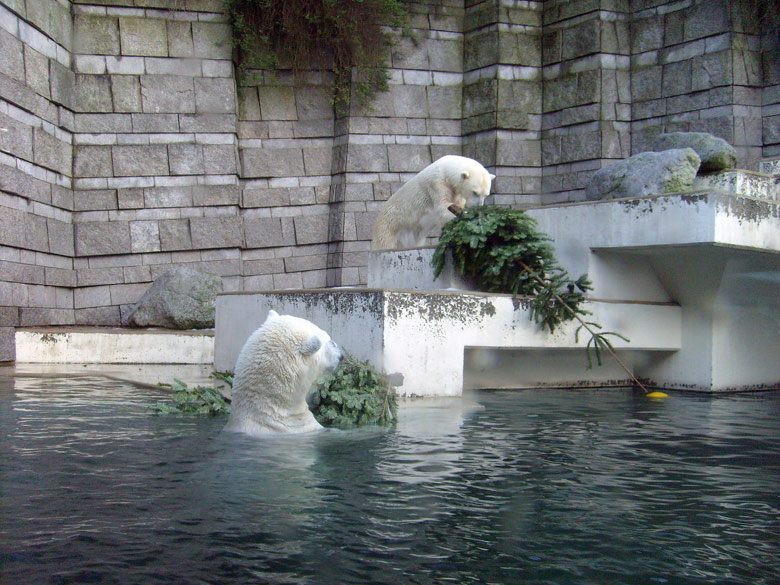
x=648 y=173
x=183 y=298
x=715 y=153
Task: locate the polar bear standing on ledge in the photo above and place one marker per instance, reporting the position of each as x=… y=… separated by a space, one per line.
x=428 y=200
x=275 y=372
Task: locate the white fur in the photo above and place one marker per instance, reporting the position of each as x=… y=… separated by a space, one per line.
x=420 y=207
x=275 y=372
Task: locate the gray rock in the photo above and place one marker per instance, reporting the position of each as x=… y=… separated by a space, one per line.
x=715 y=153
x=648 y=173
x=183 y=298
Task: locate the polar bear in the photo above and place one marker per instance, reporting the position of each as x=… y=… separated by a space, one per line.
x=429 y=200
x=274 y=373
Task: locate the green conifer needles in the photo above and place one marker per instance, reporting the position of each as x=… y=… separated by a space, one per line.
x=355 y=394
x=501 y=251
x=195 y=400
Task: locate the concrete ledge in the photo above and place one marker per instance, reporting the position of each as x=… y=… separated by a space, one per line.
x=424 y=335
x=81 y=345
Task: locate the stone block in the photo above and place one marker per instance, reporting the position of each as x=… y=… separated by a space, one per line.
x=60 y=236
x=165 y=197
x=445 y=55
x=98 y=316
x=581 y=39
x=95 y=35
x=186 y=159
x=277 y=102
x=63 y=85
x=36 y=68
x=272 y=162
x=215 y=95
x=144 y=237
x=481 y=50
x=103 y=123
x=175 y=235
x=215 y=195
x=93 y=94
x=17 y=139
x=367 y=158
x=261 y=267
x=62 y=277
x=51 y=152
x=747 y=68
x=408 y=158
x=313 y=103
x=99 y=276
x=207 y=123
x=311 y=229
x=167 y=93
x=305 y=263
x=706 y=19
x=95 y=200
x=102 y=238
x=267 y=233
x=771 y=130
x=220 y=159
x=212 y=40
x=37 y=316
x=92 y=161
x=445 y=102
x=146 y=37
x=480 y=98
x=155 y=123
x=7 y=344
x=410 y=54
x=410 y=101
x=248 y=104
x=317 y=161
x=216 y=232
x=140 y=160
x=132 y=198
x=126 y=91
x=180 y=39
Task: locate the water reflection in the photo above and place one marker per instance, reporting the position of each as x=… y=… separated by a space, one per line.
x=534 y=487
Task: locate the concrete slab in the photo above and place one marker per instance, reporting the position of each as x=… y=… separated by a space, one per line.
x=425 y=335
x=83 y=345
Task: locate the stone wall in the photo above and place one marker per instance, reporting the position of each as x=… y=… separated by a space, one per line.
x=129 y=143
x=37 y=278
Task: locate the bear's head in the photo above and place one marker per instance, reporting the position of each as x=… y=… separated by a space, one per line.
x=275 y=372
x=302 y=345
x=469 y=179
x=476 y=186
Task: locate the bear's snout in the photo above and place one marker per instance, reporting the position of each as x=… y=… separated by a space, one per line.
x=335 y=350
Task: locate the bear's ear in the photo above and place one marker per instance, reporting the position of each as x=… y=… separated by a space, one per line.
x=464 y=175
x=271 y=315
x=492 y=177
x=310 y=346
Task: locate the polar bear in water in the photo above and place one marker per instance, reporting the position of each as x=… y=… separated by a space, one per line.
x=275 y=372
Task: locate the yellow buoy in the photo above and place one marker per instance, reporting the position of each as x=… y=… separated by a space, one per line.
x=657 y=394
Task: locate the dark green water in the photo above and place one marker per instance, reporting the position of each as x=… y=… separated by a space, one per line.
x=561 y=487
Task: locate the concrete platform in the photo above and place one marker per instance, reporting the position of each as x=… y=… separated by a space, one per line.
x=692 y=279
x=97 y=345
x=433 y=338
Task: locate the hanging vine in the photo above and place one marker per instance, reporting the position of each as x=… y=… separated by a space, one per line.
x=346 y=36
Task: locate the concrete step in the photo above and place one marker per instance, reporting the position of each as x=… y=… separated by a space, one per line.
x=97 y=345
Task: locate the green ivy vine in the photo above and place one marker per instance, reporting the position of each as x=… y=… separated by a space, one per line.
x=344 y=35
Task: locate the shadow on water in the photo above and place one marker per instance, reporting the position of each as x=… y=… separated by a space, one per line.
x=546 y=486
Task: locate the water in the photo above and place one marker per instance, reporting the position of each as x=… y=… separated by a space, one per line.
x=561 y=487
